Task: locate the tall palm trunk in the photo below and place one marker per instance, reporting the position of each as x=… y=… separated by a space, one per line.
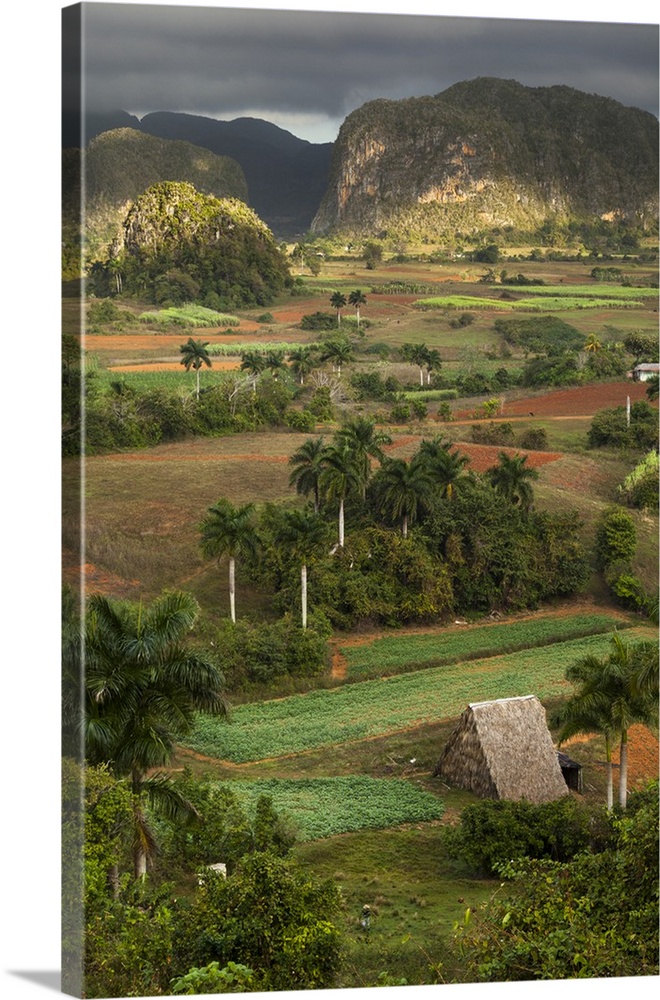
x=197 y=374
x=139 y=826
x=303 y=593
x=404 y=526
x=623 y=770
x=232 y=588
x=610 y=779
x=341 y=522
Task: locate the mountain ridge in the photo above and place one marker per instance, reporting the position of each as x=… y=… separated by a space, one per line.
x=490 y=152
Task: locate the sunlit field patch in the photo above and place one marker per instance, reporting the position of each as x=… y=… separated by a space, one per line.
x=322 y=807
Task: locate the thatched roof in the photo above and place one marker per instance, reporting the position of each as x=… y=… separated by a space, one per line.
x=503 y=750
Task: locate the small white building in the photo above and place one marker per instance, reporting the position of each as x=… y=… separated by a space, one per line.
x=643 y=372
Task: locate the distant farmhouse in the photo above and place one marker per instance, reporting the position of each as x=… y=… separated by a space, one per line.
x=503 y=750
x=643 y=372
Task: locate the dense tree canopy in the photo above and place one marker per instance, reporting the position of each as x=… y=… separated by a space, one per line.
x=220 y=245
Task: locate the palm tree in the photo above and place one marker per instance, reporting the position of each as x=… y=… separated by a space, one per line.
x=357 y=299
x=415 y=354
x=365 y=442
x=403 y=488
x=339 y=476
x=433 y=363
x=253 y=363
x=194 y=356
x=142 y=690
x=302 y=362
x=588 y=712
x=613 y=694
x=338 y=301
x=303 y=532
x=340 y=352
x=273 y=363
x=307 y=462
x=592 y=343
x=228 y=530
x=512 y=478
x=446 y=468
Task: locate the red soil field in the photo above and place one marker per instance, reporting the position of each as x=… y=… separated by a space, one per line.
x=579 y=401
x=484 y=456
x=643 y=754
x=171 y=366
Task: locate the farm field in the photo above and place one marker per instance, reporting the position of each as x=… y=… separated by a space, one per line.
x=383 y=656
x=358 y=711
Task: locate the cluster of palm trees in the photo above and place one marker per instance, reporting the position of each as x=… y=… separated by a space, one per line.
x=330 y=473
x=302 y=360
x=426 y=358
x=613 y=692
x=355 y=298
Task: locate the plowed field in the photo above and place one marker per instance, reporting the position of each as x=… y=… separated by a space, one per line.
x=580 y=401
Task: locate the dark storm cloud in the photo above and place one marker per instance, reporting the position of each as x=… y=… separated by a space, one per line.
x=213 y=60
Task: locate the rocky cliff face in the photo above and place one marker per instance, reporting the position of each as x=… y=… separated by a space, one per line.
x=490 y=153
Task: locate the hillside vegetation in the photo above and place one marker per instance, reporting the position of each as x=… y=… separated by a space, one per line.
x=490 y=152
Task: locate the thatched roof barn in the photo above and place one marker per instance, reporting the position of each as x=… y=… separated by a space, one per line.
x=503 y=750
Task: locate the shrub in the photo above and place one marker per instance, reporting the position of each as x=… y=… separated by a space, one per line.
x=420 y=409
x=262 y=652
x=493 y=433
x=616 y=537
x=319 y=321
x=640 y=487
x=103 y=311
x=593 y=916
x=495 y=831
x=300 y=420
x=320 y=405
x=534 y=439
x=273 y=917
x=610 y=427
x=400 y=413
x=371 y=385
x=465 y=319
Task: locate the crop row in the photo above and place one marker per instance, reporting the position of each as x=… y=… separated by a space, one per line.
x=529 y=304
x=373 y=708
x=279 y=347
x=323 y=807
x=391 y=654
x=190 y=315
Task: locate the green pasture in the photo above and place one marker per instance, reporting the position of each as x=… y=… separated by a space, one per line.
x=416 y=894
x=392 y=654
x=323 y=807
x=372 y=708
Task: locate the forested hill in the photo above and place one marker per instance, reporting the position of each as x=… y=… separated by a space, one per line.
x=286 y=176
x=490 y=152
x=122 y=163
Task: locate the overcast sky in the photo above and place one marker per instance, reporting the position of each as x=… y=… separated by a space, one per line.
x=306 y=70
